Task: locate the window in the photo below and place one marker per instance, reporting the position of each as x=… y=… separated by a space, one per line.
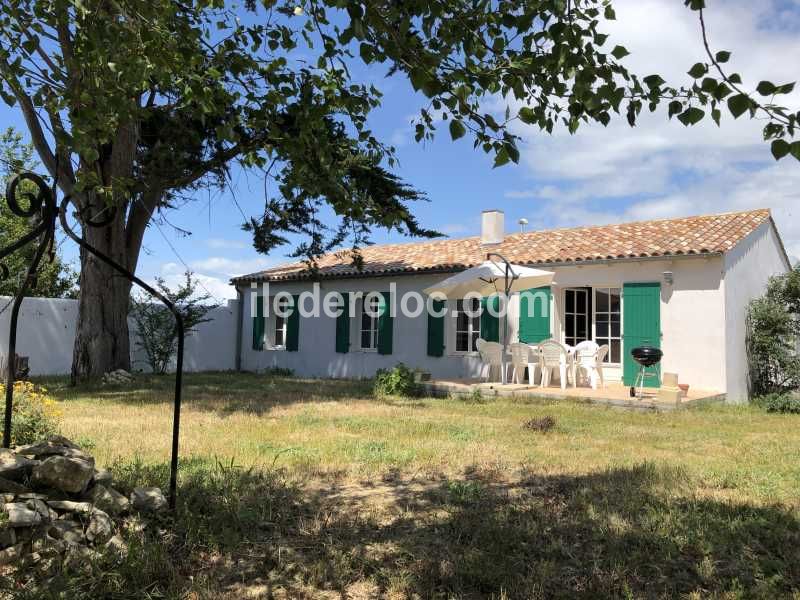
x=608 y=322
x=281 y=308
x=369 y=323
x=468 y=324
x=577 y=311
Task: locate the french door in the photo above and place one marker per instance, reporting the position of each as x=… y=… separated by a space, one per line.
x=577 y=315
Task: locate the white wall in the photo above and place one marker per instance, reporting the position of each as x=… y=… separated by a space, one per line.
x=692 y=316
x=46 y=333
x=748 y=268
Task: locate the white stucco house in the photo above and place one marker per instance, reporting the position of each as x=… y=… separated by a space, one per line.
x=680 y=284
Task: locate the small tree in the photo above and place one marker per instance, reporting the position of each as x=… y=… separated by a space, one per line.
x=155 y=323
x=773 y=334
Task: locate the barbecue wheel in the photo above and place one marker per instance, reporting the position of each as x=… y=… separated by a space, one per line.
x=633 y=392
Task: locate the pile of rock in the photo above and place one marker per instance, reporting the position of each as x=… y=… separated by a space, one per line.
x=57 y=508
x=118 y=377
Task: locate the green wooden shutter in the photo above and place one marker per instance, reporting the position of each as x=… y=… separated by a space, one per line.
x=641 y=326
x=436 y=330
x=385 y=324
x=490 y=324
x=343 y=326
x=534 y=315
x=259 y=324
x=293 y=326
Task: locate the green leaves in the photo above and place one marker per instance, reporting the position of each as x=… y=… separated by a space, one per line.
x=619 y=52
x=457 y=129
x=691 y=116
x=780 y=148
x=738 y=104
x=698 y=70
x=766 y=88
x=722 y=56
x=654 y=81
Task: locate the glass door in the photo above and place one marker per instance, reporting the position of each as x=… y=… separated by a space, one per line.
x=577 y=315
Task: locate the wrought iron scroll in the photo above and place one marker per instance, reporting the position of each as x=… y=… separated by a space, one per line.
x=89 y=220
x=41 y=210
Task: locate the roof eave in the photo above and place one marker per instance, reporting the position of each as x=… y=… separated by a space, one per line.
x=311 y=276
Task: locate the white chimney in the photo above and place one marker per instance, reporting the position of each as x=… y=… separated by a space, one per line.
x=492 y=227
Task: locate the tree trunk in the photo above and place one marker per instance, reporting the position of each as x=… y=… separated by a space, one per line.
x=102 y=343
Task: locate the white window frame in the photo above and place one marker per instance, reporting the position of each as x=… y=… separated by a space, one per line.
x=271 y=326
x=470 y=329
x=609 y=337
x=360 y=324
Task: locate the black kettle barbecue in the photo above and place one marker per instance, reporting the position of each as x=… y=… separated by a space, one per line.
x=645 y=356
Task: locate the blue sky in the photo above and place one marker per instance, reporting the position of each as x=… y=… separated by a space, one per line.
x=657 y=170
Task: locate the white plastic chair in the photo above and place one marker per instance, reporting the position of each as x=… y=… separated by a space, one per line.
x=588 y=361
x=553 y=355
x=523 y=357
x=491 y=357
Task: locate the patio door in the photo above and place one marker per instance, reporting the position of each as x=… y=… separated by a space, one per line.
x=577 y=315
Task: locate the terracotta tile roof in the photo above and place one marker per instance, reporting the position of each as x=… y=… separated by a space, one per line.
x=701 y=235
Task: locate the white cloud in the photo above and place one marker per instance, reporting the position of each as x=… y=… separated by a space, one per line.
x=231 y=267
x=223 y=244
x=219 y=289
x=666 y=168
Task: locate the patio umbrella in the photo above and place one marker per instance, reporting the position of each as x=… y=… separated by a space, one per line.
x=496 y=275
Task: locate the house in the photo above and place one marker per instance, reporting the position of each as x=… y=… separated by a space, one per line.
x=681 y=284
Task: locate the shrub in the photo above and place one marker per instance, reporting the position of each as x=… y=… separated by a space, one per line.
x=779 y=403
x=157 y=333
x=34 y=415
x=773 y=333
x=278 y=372
x=398 y=381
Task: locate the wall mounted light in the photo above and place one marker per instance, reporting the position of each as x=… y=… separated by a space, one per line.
x=669 y=277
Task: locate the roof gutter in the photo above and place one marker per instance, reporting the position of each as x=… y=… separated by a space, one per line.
x=456 y=269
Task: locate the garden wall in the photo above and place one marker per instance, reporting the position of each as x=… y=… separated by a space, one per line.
x=46 y=334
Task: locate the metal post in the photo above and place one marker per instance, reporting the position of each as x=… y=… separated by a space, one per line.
x=43 y=205
x=88 y=221
x=509 y=281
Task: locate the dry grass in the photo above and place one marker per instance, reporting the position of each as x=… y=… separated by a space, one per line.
x=354 y=497
x=337 y=428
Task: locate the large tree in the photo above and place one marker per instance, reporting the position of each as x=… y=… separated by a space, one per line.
x=134 y=103
x=55 y=278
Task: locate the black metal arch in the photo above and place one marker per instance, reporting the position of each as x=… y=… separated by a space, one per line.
x=44 y=204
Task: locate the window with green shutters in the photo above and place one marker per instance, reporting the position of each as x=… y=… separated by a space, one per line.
x=641 y=326
x=259 y=324
x=436 y=329
x=490 y=323
x=293 y=326
x=534 y=315
x=385 y=324
x=343 y=326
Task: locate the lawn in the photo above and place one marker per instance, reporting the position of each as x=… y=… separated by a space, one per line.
x=296 y=488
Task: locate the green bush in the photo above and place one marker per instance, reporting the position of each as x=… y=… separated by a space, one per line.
x=779 y=403
x=773 y=333
x=278 y=372
x=395 y=382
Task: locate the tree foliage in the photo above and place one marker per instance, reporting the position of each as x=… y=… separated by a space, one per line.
x=55 y=278
x=773 y=337
x=177 y=91
x=157 y=334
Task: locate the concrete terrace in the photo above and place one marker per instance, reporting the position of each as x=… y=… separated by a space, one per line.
x=614 y=394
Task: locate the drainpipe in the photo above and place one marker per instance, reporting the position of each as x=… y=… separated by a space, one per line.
x=239 y=316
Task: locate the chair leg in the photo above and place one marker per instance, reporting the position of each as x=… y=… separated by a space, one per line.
x=531 y=373
x=563 y=374
x=602 y=377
